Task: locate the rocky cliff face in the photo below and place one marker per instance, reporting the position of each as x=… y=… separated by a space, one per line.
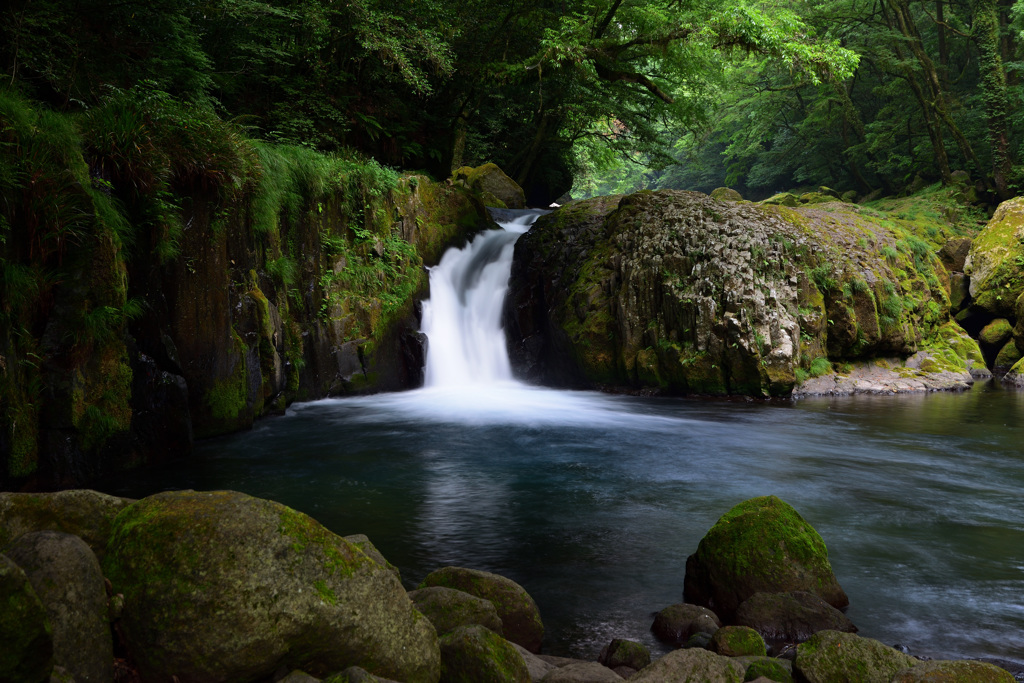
x=673 y=291
x=136 y=319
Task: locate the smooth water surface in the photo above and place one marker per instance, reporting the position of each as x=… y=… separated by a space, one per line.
x=593 y=501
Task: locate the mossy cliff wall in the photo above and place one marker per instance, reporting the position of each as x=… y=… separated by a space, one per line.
x=165 y=279
x=677 y=292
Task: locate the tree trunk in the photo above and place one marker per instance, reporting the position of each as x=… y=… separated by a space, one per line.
x=993 y=83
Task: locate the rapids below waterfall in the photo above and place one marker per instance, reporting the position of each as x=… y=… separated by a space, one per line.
x=593 y=502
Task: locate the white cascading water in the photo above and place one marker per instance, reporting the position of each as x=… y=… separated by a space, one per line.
x=462 y=318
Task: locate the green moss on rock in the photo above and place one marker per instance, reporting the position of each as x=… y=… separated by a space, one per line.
x=834 y=657
x=474 y=654
x=959 y=671
x=760 y=545
x=738 y=641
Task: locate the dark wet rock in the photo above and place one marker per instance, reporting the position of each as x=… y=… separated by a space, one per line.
x=26 y=654
x=738 y=641
x=582 y=672
x=448 y=608
x=691 y=665
x=537 y=667
x=474 y=654
x=66 y=576
x=677 y=623
x=701 y=639
x=84 y=513
x=953 y=253
x=961 y=671
x=762 y=545
x=221 y=586
x=520 y=618
x=832 y=656
x=790 y=617
x=622 y=652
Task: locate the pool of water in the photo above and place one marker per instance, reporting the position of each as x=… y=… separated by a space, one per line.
x=593 y=502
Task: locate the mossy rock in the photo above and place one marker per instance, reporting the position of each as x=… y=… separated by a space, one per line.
x=738 y=641
x=84 y=513
x=353 y=674
x=474 y=654
x=363 y=542
x=1008 y=356
x=221 y=586
x=678 y=623
x=726 y=194
x=448 y=609
x=782 y=199
x=622 y=652
x=791 y=617
x=761 y=545
x=834 y=657
x=692 y=666
x=996 y=333
x=581 y=672
x=816 y=198
x=492 y=183
x=996 y=261
x=26 y=655
x=961 y=671
x=1015 y=375
x=67 y=578
x=519 y=615
x=779 y=670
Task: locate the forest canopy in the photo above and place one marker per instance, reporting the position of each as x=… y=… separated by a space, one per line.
x=854 y=94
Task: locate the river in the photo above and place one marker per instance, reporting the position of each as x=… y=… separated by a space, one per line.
x=593 y=501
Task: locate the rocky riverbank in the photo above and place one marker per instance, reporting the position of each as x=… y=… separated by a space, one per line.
x=220 y=586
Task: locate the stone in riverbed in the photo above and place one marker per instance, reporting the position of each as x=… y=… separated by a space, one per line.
x=962 y=671
x=677 y=623
x=621 y=652
x=760 y=545
x=738 y=641
x=474 y=654
x=520 y=618
x=448 y=608
x=790 y=617
x=66 y=576
x=835 y=657
x=691 y=665
x=221 y=586
x=27 y=652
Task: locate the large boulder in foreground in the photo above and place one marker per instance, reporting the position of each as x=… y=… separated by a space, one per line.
x=761 y=545
x=474 y=654
x=995 y=263
x=66 y=576
x=676 y=292
x=834 y=657
x=520 y=618
x=84 y=513
x=221 y=586
x=26 y=653
x=692 y=665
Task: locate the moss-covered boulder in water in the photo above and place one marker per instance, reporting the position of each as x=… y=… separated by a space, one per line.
x=676 y=292
x=677 y=623
x=1007 y=356
x=448 y=608
x=26 y=654
x=995 y=334
x=778 y=670
x=762 y=545
x=996 y=261
x=961 y=671
x=691 y=666
x=738 y=641
x=621 y=652
x=67 y=578
x=492 y=183
x=834 y=657
x=520 y=618
x=791 y=617
x=221 y=586
x=474 y=654
x=84 y=513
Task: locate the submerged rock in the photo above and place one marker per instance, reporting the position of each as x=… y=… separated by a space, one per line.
x=678 y=623
x=519 y=615
x=27 y=652
x=791 y=617
x=761 y=545
x=222 y=586
x=66 y=576
x=673 y=291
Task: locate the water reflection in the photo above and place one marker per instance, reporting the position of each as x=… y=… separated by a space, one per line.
x=593 y=502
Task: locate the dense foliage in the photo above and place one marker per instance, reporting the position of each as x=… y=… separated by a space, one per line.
x=427 y=84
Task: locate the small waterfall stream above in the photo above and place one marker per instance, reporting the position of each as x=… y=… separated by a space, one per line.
x=462 y=319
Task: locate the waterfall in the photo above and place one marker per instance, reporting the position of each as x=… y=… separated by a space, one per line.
x=462 y=318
